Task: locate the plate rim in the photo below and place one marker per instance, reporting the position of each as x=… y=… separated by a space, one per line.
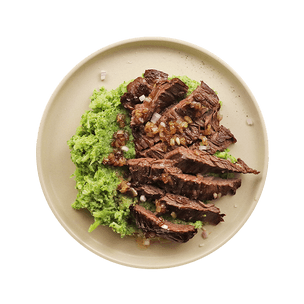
x=159 y=40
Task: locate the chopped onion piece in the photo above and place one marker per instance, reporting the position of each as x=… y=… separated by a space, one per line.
x=142 y=98
x=124 y=148
x=142 y=198
x=164 y=227
x=163 y=124
x=155 y=117
x=103 y=75
x=133 y=191
x=172 y=141
x=202 y=148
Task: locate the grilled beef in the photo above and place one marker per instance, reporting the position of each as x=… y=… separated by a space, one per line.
x=220 y=140
x=163 y=95
x=154 y=76
x=201 y=188
x=157 y=151
x=170 y=178
x=149 y=170
x=200 y=111
x=142 y=141
x=195 y=161
x=189 y=210
x=153 y=225
x=135 y=89
x=139 y=87
x=149 y=192
x=169 y=156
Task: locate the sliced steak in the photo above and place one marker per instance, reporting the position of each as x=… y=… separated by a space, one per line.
x=195 y=161
x=148 y=170
x=221 y=140
x=190 y=210
x=139 y=87
x=192 y=118
x=201 y=188
x=151 y=224
x=141 y=140
x=163 y=95
x=163 y=174
x=157 y=151
x=150 y=192
x=153 y=76
x=135 y=89
x=129 y=101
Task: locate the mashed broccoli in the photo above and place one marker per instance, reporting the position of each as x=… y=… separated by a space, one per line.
x=95 y=182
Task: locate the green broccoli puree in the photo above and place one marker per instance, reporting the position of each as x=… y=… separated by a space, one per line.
x=97 y=183
x=225 y=155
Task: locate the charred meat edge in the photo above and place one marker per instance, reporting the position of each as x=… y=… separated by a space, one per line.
x=195 y=161
x=201 y=188
x=186 y=209
x=153 y=76
x=156 y=226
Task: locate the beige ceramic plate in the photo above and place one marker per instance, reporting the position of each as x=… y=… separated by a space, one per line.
x=124 y=61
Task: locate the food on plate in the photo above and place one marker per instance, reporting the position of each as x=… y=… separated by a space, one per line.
x=152 y=155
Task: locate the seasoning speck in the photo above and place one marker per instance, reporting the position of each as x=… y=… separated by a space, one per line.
x=103 y=75
x=249 y=122
x=146 y=242
x=204 y=234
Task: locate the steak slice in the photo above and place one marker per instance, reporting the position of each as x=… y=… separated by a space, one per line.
x=157 y=151
x=150 y=192
x=201 y=188
x=163 y=95
x=141 y=140
x=163 y=174
x=153 y=76
x=195 y=161
x=135 y=89
x=151 y=224
x=139 y=87
x=190 y=210
x=194 y=118
x=149 y=170
x=221 y=140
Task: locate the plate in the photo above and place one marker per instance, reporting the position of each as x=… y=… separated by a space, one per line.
x=124 y=61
